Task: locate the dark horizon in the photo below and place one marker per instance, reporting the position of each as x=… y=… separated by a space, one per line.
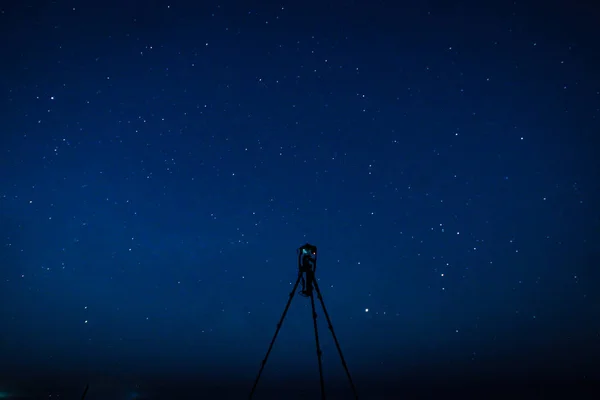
x=537 y=386
x=575 y=375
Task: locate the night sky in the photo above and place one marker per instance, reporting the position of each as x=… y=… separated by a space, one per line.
x=161 y=162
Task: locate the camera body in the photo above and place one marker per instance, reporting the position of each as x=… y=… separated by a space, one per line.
x=307 y=265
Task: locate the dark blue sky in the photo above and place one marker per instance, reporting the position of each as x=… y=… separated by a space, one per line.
x=162 y=161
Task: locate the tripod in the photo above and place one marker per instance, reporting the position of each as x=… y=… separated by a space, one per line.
x=307 y=265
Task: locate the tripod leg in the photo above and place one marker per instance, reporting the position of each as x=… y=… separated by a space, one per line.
x=319 y=353
x=85 y=391
x=285 y=310
x=337 y=344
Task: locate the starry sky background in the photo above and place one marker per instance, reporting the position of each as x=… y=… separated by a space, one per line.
x=162 y=161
